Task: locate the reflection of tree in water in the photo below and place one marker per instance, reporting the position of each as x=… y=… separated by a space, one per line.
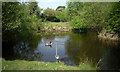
x=25 y=49
x=110 y=59
x=51 y=36
x=48 y=37
x=84 y=46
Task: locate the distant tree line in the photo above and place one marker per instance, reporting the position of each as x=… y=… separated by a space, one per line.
x=58 y=15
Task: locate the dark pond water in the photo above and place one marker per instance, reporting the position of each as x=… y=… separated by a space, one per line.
x=73 y=48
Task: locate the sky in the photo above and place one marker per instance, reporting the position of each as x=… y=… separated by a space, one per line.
x=51 y=3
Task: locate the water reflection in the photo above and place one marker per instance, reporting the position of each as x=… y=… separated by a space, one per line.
x=87 y=46
x=110 y=59
x=83 y=46
x=25 y=49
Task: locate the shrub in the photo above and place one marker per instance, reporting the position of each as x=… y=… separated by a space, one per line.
x=78 y=24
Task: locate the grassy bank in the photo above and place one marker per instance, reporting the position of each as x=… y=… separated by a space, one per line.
x=111 y=36
x=35 y=65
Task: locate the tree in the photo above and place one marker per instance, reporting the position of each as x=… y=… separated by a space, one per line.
x=73 y=8
x=113 y=23
x=49 y=14
x=17 y=21
x=62 y=16
x=90 y=15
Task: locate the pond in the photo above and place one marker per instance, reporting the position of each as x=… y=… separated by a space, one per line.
x=72 y=48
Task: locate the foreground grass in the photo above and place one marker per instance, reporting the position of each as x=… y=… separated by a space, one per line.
x=35 y=65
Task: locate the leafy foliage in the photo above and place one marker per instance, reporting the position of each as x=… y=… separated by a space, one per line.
x=19 y=20
x=73 y=9
x=113 y=24
x=78 y=24
x=91 y=15
x=62 y=16
x=49 y=14
x=58 y=15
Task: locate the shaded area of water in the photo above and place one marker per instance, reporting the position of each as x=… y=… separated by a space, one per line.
x=73 y=48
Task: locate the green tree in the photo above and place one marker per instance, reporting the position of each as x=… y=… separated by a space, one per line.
x=62 y=16
x=17 y=21
x=113 y=23
x=96 y=14
x=73 y=8
x=49 y=14
x=90 y=15
x=10 y=19
x=33 y=7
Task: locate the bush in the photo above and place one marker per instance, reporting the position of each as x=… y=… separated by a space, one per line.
x=49 y=14
x=78 y=24
x=62 y=16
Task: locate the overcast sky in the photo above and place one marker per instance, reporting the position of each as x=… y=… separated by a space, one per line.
x=51 y=3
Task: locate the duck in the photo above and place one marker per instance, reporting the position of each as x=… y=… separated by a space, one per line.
x=48 y=44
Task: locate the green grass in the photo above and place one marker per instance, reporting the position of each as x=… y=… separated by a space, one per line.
x=35 y=65
x=0 y=64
